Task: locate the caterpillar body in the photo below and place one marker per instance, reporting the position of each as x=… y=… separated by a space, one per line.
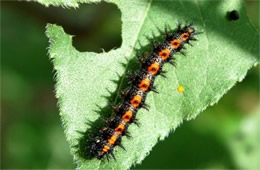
x=141 y=84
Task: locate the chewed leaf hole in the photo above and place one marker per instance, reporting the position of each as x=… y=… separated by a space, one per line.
x=95 y=27
x=233 y=15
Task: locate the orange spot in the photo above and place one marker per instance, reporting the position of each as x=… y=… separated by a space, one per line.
x=127 y=116
x=144 y=85
x=112 y=140
x=176 y=43
x=185 y=36
x=136 y=100
x=164 y=54
x=106 y=148
x=154 y=68
x=120 y=128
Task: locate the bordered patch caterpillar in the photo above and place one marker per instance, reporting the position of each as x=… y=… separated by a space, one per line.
x=141 y=84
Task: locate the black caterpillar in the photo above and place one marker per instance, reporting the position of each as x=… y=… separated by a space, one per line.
x=141 y=83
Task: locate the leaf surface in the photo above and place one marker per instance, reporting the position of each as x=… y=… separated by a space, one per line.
x=222 y=56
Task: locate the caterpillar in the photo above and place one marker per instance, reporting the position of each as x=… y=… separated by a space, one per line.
x=141 y=83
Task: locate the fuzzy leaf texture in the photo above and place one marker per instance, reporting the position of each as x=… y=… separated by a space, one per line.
x=221 y=58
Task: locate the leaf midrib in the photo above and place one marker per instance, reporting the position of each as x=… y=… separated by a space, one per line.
x=131 y=52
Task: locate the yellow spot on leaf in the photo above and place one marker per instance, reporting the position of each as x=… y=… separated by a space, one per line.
x=180 y=89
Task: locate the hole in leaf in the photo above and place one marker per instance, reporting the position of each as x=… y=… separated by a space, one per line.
x=233 y=15
x=94 y=26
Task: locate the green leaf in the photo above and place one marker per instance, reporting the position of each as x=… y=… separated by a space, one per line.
x=221 y=58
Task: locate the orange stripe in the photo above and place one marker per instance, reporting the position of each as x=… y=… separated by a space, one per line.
x=164 y=54
x=154 y=68
x=175 y=43
x=120 y=128
x=112 y=140
x=127 y=116
x=144 y=84
x=136 y=101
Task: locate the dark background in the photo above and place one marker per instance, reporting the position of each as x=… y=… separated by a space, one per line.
x=31 y=131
